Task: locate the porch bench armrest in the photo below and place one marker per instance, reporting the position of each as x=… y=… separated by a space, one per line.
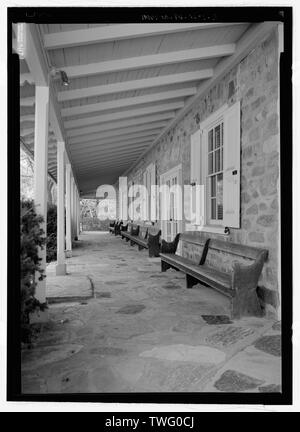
x=170 y=247
x=244 y=281
x=154 y=244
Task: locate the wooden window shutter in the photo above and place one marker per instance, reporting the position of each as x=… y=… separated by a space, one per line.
x=195 y=157
x=232 y=145
x=197 y=202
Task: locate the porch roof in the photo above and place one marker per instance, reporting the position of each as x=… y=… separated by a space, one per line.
x=129 y=84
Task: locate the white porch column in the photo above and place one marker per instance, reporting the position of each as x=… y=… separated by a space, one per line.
x=78 y=221
x=68 y=211
x=72 y=207
x=61 y=265
x=41 y=173
x=75 y=210
x=78 y=213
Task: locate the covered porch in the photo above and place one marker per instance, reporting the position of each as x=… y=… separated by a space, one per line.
x=100 y=102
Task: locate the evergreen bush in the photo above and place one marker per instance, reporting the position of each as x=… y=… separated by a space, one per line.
x=31 y=239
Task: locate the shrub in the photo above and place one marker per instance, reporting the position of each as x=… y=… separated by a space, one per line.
x=31 y=239
x=51 y=244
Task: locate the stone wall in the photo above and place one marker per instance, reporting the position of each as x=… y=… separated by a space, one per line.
x=254 y=81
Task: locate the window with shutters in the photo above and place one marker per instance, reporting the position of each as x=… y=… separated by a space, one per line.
x=215 y=164
x=215 y=172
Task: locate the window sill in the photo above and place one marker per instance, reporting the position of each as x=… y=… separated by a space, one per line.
x=207 y=228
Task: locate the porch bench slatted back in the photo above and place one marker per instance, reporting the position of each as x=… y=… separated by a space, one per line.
x=237 y=249
x=143 y=232
x=134 y=233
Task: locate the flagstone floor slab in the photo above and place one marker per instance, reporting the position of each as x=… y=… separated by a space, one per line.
x=126 y=327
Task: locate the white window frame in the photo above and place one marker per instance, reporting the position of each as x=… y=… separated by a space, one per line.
x=208 y=219
x=212 y=226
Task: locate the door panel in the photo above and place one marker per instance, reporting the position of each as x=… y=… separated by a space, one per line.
x=172 y=225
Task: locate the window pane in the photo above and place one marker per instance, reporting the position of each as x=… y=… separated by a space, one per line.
x=220 y=211
x=210 y=163
x=222 y=134
x=221 y=161
x=217 y=136
x=217 y=160
x=210 y=140
x=213 y=208
x=220 y=196
x=213 y=186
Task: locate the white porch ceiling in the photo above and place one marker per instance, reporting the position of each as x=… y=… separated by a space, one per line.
x=128 y=84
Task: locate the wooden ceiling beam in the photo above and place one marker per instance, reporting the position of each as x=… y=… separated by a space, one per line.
x=108 y=157
x=27 y=117
x=109 y=152
x=120 y=124
x=113 y=155
x=99 y=171
x=118 y=145
x=153 y=60
x=118 y=132
x=120 y=32
x=115 y=140
x=123 y=114
x=27 y=101
x=140 y=84
x=113 y=164
x=127 y=102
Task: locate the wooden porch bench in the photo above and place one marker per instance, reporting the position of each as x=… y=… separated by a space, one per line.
x=112 y=227
x=117 y=228
x=126 y=233
x=123 y=227
x=148 y=238
x=230 y=268
x=145 y=236
x=141 y=239
x=134 y=233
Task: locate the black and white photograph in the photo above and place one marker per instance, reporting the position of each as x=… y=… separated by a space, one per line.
x=151 y=177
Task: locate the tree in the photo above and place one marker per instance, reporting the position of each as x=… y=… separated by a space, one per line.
x=27 y=179
x=32 y=237
x=88 y=208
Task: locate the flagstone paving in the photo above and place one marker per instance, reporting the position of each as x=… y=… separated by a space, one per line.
x=119 y=325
